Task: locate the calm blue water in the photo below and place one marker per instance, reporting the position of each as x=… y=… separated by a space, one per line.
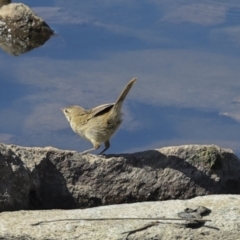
x=186 y=55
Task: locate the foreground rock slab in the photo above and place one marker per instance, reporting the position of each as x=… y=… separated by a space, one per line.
x=49 y=178
x=66 y=224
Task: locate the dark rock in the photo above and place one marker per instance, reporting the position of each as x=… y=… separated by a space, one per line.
x=20 y=29
x=46 y=178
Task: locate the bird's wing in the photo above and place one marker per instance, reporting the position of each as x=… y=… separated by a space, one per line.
x=100 y=109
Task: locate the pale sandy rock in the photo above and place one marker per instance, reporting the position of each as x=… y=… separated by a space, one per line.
x=225 y=221
x=17 y=11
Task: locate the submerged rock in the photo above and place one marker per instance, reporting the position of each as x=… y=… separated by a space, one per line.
x=21 y=30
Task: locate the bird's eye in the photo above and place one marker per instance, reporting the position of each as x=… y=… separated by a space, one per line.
x=66 y=111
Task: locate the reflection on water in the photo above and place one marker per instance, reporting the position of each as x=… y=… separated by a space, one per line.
x=20 y=29
x=185 y=53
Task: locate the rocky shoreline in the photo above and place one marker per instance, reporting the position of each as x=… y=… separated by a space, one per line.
x=63 y=187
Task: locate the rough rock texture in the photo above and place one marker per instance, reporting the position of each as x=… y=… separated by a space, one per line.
x=4 y=2
x=20 y=29
x=47 y=178
x=224 y=224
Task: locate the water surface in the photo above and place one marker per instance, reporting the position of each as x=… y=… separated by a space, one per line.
x=186 y=55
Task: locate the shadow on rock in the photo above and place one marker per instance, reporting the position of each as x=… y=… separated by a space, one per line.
x=181 y=172
x=52 y=191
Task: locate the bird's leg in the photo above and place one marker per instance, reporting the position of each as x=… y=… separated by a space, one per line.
x=96 y=145
x=107 y=146
x=87 y=151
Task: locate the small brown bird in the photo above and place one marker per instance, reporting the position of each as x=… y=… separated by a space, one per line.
x=98 y=124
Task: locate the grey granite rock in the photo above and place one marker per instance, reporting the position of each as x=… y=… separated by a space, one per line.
x=67 y=224
x=48 y=178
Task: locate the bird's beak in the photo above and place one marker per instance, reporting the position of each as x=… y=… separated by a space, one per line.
x=61 y=109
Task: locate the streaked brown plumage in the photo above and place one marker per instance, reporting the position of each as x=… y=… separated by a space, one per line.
x=98 y=124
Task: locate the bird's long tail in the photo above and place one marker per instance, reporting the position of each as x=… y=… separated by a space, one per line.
x=125 y=91
x=118 y=104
